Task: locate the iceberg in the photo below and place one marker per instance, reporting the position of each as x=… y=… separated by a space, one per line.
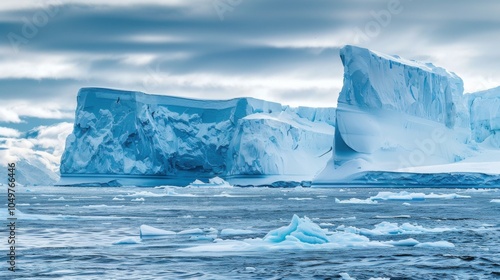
x=395 y=115
x=135 y=135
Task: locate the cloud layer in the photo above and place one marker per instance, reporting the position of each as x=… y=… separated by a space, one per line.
x=283 y=50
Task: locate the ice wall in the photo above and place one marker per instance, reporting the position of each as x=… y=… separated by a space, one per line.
x=395 y=113
x=132 y=133
x=485 y=116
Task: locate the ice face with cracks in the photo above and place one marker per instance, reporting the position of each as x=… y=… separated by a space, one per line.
x=395 y=113
x=132 y=133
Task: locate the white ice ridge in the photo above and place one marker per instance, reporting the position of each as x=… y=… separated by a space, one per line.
x=132 y=133
x=304 y=234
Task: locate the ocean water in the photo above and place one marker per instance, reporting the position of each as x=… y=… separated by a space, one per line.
x=72 y=233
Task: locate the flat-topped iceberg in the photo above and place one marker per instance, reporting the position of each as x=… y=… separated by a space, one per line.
x=125 y=133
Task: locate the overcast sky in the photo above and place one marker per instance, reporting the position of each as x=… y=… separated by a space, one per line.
x=285 y=50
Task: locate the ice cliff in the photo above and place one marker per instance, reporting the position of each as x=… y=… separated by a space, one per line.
x=132 y=133
x=396 y=114
x=485 y=117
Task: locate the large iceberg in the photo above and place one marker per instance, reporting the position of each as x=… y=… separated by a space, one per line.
x=396 y=114
x=124 y=133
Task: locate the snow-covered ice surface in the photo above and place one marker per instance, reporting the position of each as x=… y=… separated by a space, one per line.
x=200 y=234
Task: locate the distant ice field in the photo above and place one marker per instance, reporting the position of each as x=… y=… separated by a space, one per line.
x=256 y=233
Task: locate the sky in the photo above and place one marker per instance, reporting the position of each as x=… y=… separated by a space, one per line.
x=283 y=50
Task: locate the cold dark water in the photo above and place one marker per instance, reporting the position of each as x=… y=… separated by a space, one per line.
x=68 y=233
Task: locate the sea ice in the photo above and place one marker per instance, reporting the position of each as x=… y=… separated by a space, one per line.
x=146 y=230
x=437 y=244
x=387 y=228
x=127 y=240
x=194 y=231
x=356 y=201
x=404 y=195
x=299 y=230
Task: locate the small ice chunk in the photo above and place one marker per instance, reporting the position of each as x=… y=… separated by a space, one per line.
x=138 y=199
x=437 y=244
x=495 y=201
x=127 y=241
x=410 y=242
x=118 y=198
x=197 y=182
x=356 y=201
x=346 y=276
x=146 y=230
x=387 y=228
x=191 y=231
x=300 y=230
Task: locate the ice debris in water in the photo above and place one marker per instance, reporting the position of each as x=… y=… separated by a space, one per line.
x=387 y=228
x=127 y=241
x=301 y=230
x=404 y=195
x=356 y=201
x=304 y=234
x=214 y=182
x=146 y=230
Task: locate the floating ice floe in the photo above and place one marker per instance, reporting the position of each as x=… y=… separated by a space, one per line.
x=215 y=182
x=146 y=230
x=127 y=241
x=406 y=196
x=478 y=190
x=139 y=199
x=387 y=228
x=191 y=231
x=356 y=201
x=495 y=201
x=118 y=198
x=300 y=198
x=231 y=231
x=145 y=194
x=437 y=244
x=102 y=206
